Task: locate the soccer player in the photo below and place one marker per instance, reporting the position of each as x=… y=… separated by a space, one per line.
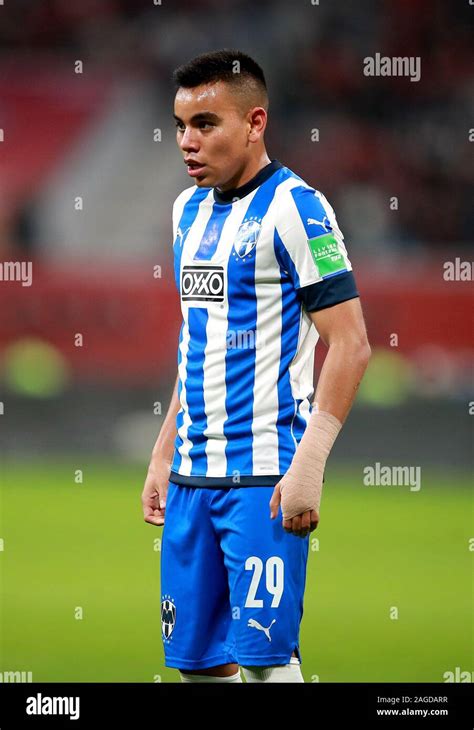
x=262 y=272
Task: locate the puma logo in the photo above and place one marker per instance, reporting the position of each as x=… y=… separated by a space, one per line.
x=180 y=235
x=324 y=223
x=258 y=626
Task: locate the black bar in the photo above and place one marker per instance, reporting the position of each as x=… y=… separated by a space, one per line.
x=313 y=705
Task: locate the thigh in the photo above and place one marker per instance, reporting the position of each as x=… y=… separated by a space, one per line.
x=266 y=567
x=195 y=608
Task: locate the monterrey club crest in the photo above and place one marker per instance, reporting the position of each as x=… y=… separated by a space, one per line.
x=168 y=617
x=247 y=237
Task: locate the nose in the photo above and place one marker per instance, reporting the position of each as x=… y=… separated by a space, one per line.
x=188 y=141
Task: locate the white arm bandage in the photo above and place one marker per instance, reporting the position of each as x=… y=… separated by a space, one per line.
x=302 y=484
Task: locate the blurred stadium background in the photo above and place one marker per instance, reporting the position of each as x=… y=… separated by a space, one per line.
x=96 y=409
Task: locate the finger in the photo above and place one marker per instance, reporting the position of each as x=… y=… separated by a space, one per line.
x=150 y=497
x=149 y=506
x=305 y=524
x=306 y=520
x=314 y=520
x=154 y=516
x=163 y=495
x=156 y=521
x=149 y=510
x=296 y=527
x=150 y=501
x=275 y=501
x=302 y=531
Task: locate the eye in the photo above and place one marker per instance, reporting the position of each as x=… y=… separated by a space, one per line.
x=202 y=125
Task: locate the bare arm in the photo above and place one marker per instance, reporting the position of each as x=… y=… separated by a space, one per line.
x=156 y=483
x=342 y=329
x=164 y=446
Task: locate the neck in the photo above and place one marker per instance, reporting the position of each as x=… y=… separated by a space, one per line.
x=247 y=173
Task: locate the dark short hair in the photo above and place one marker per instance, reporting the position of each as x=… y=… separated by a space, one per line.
x=228 y=65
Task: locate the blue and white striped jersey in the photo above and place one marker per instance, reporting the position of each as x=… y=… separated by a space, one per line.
x=250 y=263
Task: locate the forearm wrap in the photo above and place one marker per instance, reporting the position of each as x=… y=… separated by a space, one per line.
x=302 y=484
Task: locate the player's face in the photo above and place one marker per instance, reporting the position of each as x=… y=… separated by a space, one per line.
x=212 y=133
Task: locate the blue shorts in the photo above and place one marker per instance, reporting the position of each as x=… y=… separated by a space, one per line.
x=232 y=579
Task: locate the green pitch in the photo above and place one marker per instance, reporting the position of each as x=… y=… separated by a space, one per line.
x=80 y=591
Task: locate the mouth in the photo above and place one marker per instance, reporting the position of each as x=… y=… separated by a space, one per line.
x=194 y=168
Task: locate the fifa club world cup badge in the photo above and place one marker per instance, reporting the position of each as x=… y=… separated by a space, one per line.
x=168 y=617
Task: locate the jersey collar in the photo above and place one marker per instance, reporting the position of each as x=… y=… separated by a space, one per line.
x=227 y=196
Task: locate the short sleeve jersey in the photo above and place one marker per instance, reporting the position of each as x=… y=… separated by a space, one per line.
x=250 y=265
